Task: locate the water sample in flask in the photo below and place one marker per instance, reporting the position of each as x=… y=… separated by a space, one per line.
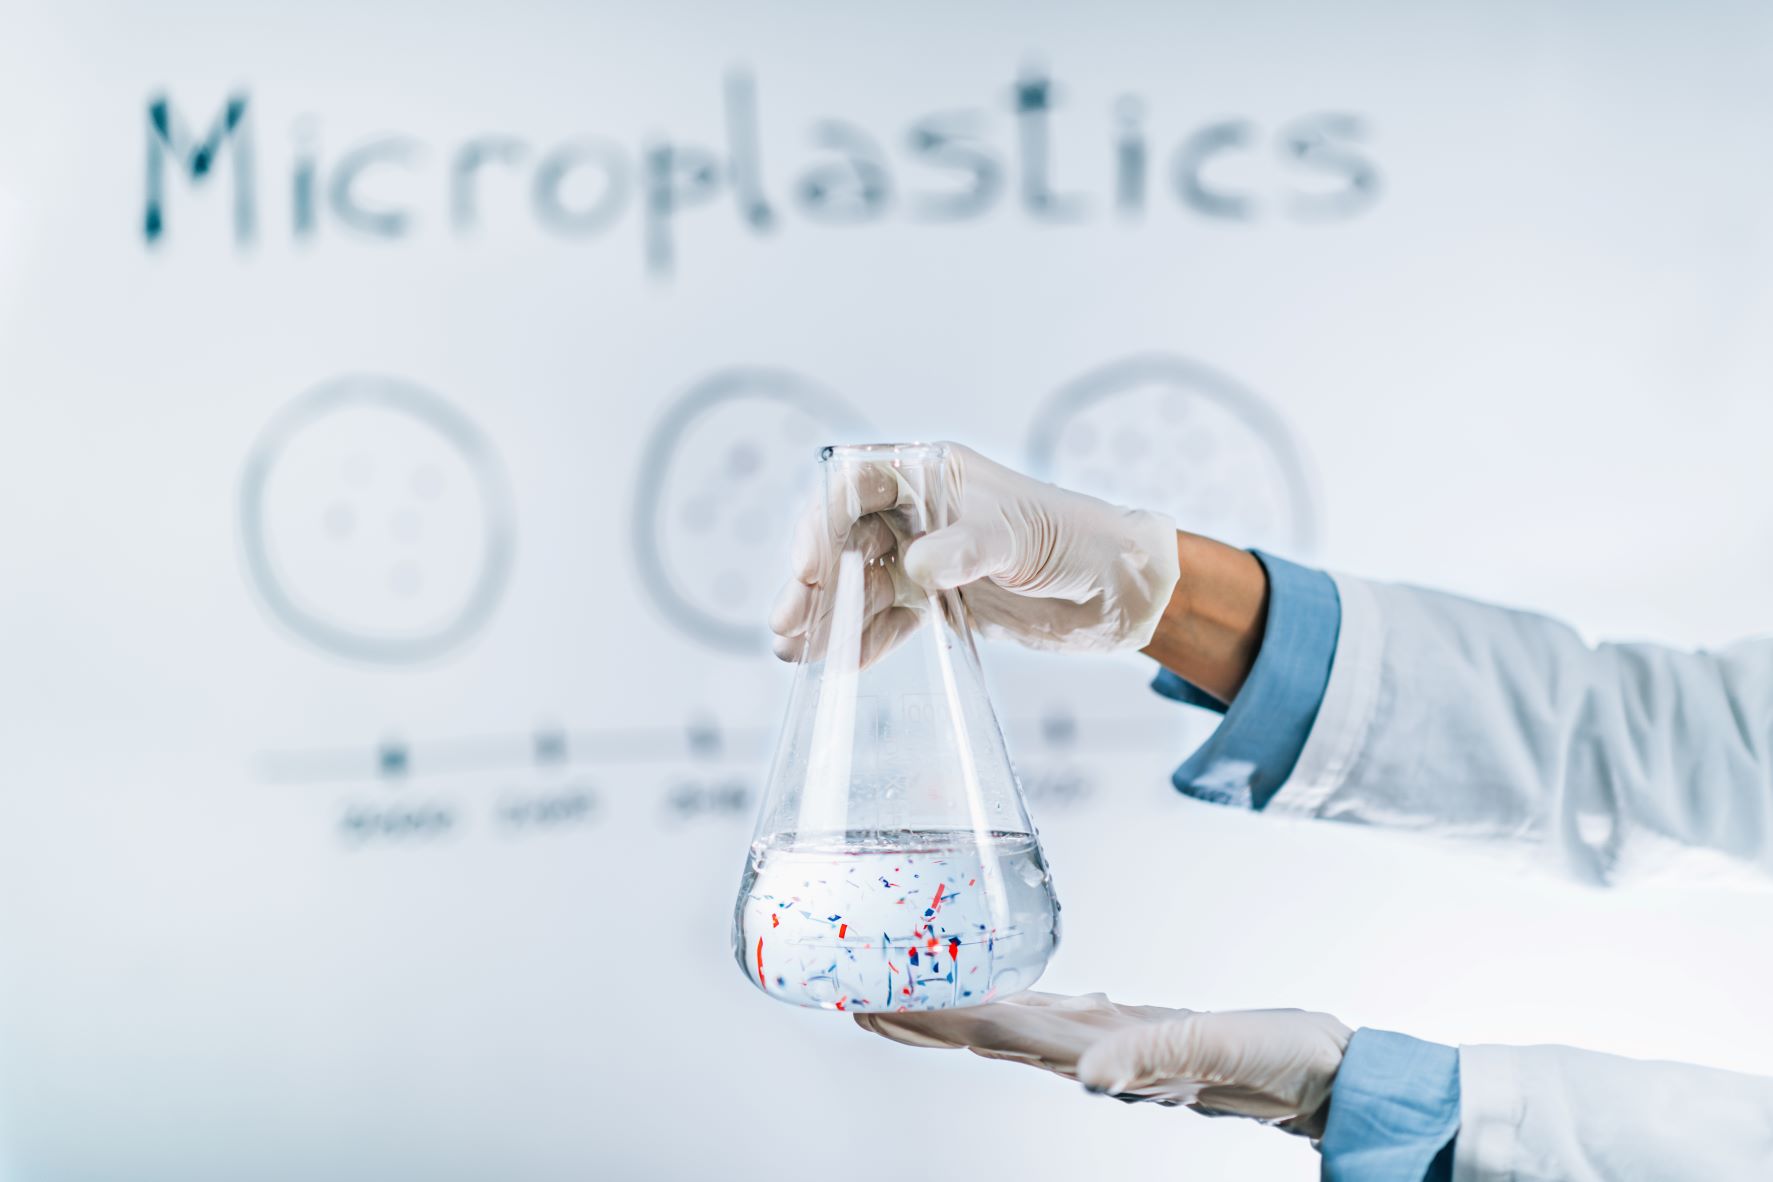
x=893 y=866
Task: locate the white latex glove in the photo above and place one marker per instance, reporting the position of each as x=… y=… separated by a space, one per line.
x=1044 y=566
x=1271 y=1065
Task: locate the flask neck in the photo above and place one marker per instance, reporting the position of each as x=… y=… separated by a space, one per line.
x=906 y=482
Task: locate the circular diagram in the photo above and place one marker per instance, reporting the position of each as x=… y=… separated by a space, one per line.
x=719 y=483
x=1168 y=434
x=376 y=520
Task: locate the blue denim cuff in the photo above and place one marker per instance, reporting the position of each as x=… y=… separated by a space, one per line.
x=1246 y=760
x=1394 y=1111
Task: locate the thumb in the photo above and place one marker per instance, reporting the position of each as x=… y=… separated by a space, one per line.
x=954 y=557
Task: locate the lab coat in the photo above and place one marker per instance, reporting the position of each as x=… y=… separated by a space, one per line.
x=1451 y=717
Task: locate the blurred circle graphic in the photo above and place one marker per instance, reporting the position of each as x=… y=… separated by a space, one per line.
x=720 y=481
x=1166 y=433
x=376 y=520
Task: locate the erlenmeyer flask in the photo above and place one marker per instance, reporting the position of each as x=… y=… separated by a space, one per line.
x=893 y=866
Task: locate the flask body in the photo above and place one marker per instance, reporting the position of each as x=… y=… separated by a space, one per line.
x=893 y=866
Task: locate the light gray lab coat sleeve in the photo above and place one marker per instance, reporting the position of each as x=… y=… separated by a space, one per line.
x=1447 y=716
x=1554 y=1114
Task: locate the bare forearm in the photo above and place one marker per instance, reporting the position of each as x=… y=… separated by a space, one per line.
x=1212 y=629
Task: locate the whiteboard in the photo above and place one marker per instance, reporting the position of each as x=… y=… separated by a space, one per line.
x=400 y=409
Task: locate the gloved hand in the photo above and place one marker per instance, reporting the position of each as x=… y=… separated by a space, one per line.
x=1270 y=1065
x=1049 y=568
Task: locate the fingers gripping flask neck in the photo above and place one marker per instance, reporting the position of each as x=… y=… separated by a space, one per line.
x=893 y=866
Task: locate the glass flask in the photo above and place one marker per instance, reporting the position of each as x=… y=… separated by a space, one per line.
x=893 y=866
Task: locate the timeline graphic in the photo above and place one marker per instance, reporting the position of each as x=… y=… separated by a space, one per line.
x=413 y=790
x=376 y=520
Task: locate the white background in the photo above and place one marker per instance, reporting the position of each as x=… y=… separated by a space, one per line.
x=1535 y=370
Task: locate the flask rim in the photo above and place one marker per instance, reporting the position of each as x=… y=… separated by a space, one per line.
x=897 y=453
